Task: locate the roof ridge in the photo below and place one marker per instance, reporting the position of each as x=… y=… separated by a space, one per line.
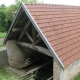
x=52 y=4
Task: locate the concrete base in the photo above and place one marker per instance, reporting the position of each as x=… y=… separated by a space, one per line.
x=3 y=58
x=69 y=72
x=16 y=57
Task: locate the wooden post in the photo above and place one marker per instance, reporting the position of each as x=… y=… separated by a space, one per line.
x=34 y=34
x=29 y=36
x=25 y=27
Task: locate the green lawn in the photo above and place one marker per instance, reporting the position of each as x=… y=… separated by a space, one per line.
x=78 y=77
x=2 y=35
x=4 y=75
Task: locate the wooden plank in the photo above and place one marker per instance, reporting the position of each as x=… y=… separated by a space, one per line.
x=51 y=78
x=34 y=34
x=25 y=27
x=29 y=36
x=37 y=48
x=38 y=41
x=37 y=68
x=16 y=29
x=30 y=63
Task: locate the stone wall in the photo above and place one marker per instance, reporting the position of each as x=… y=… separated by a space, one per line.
x=69 y=73
x=3 y=58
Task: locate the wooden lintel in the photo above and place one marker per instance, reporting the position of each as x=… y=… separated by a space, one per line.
x=16 y=29
x=34 y=34
x=25 y=27
x=29 y=36
x=38 y=41
x=37 y=48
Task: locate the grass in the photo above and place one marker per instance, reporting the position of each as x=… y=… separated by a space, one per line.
x=2 y=35
x=78 y=77
x=4 y=75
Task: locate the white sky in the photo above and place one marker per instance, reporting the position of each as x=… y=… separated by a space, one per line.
x=65 y=2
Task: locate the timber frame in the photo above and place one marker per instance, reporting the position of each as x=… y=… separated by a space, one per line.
x=35 y=39
x=37 y=36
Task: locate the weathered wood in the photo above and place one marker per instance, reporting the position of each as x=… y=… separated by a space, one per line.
x=30 y=63
x=38 y=35
x=25 y=27
x=37 y=68
x=38 y=41
x=29 y=36
x=34 y=34
x=37 y=48
x=16 y=29
x=51 y=78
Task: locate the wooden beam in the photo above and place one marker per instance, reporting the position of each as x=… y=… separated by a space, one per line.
x=34 y=34
x=38 y=35
x=37 y=48
x=16 y=29
x=36 y=68
x=30 y=63
x=51 y=78
x=38 y=41
x=29 y=36
x=25 y=27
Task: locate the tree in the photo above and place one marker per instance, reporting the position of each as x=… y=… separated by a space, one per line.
x=26 y=1
x=6 y=13
x=12 y=8
x=3 y=22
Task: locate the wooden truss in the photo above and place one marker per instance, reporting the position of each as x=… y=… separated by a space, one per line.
x=35 y=39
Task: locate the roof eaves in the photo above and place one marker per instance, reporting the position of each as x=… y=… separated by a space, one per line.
x=12 y=25
x=43 y=37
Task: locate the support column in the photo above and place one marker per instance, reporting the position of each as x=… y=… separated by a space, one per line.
x=56 y=70
x=16 y=57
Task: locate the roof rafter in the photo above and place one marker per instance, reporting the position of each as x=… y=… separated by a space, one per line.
x=25 y=27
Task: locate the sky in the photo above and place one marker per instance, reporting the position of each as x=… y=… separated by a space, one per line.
x=64 y=2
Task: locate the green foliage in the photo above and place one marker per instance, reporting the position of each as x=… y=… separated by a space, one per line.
x=26 y=1
x=3 y=22
x=6 y=76
x=2 y=35
x=6 y=15
x=78 y=77
x=9 y=16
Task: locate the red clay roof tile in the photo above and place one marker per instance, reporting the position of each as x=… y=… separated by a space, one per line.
x=61 y=27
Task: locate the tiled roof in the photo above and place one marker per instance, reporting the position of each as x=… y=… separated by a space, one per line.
x=61 y=26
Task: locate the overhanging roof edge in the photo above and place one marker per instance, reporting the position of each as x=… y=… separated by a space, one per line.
x=43 y=37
